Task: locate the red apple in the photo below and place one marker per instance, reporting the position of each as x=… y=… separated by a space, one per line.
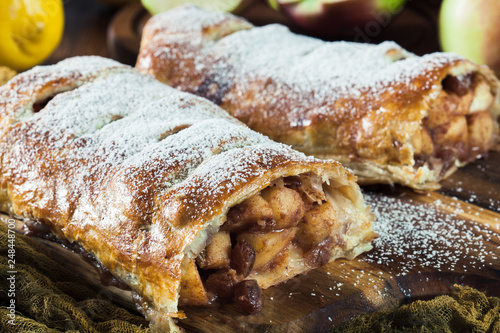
x=471 y=29
x=340 y=17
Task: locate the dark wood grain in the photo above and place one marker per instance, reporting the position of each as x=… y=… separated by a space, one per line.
x=478 y=183
x=124 y=33
x=86 y=22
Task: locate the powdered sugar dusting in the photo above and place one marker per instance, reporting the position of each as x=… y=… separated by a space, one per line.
x=71 y=68
x=325 y=70
x=273 y=62
x=119 y=126
x=119 y=114
x=21 y=92
x=191 y=17
x=217 y=177
x=187 y=150
x=85 y=110
x=415 y=236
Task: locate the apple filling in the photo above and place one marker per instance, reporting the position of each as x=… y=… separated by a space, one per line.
x=459 y=126
x=289 y=228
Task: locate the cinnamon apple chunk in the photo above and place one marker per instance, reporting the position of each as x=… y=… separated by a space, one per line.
x=480 y=130
x=287 y=205
x=294 y=225
x=192 y=289
x=268 y=245
x=459 y=126
x=254 y=212
x=217 y=254
x=319 y=224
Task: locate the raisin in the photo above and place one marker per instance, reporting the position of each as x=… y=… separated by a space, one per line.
x=249 y=297
x=420 y=160
x=222 y=284
x=33 y=228
x=457 y=85
x=321 y=254
x=243 y=257
x=39 y=105
x=447 y=157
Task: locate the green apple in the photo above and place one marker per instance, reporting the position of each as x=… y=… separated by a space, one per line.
x=339 y=17
x=273 y=4
x=471 y=29
x=233 y=6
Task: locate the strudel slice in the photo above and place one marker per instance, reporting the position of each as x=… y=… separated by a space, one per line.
x=177 y=199
x=390 y=116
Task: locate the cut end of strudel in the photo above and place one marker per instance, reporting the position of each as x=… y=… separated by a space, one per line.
x=180 y=201
x=389 y=115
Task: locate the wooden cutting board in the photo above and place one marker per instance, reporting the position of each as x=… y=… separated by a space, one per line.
x=428 y=243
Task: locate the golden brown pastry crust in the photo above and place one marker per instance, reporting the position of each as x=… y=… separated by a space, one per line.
x=367 y=106
x=139 y=174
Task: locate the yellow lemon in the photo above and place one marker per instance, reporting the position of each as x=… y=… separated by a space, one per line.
x=29 y=31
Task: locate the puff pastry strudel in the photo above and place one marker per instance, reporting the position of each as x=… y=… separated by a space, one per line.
x=180 y=201
x=390 y=116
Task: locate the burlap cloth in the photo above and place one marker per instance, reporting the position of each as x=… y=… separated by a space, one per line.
x=464 y=310
x=49 y=298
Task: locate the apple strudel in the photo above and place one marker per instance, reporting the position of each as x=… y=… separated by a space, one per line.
x=180 y=201
x=390 y=116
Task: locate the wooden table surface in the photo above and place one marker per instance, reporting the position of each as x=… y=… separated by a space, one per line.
x=413 y=267
x=86 y=23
